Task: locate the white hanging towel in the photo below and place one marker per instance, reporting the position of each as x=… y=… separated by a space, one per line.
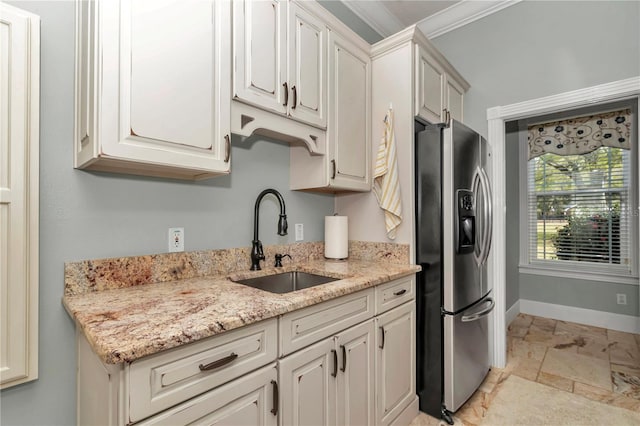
x=386 y=185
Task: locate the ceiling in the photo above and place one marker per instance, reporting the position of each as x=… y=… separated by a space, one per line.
x=433 y=17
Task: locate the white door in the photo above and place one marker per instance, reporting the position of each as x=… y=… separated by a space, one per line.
x=395 y=362
x=307 y=40
x=308 y=385
x=19 y=106
x=165 y=82
x=349 y=120
x=248 y=400
x=356 y=396
x=429 y=88
x=259 y=46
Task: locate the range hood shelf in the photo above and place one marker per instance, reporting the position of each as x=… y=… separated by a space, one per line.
x=247 y=120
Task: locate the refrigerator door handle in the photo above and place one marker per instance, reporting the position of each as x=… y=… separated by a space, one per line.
x=482 y=313
x=487 y=226
x=478 y=250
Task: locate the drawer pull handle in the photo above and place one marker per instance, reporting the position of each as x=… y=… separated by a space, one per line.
x=382 y=341
x=276 y=397
x=344 y=359
x=219 y=363
x=400 y=292
x=335 y=363
x=333 y=166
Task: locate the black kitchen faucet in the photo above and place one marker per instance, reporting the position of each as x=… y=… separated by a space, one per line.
x=257 y=253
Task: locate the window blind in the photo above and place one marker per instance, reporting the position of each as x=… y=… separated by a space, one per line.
x=579 y=209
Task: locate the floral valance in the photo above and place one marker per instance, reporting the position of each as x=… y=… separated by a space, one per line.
x=581 y=135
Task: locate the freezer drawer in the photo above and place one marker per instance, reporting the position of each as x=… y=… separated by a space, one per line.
x=466 y=352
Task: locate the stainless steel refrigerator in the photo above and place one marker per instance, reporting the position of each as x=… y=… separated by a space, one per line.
x=453 y=239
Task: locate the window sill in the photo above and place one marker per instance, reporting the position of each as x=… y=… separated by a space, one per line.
x=579 y=275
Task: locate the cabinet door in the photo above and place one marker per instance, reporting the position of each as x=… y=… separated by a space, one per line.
x=349 y=120
x=430 y=85
x=19 y=130
x=455 y=95
x=162 y=98
x=355 y=404
x=246 y=401
x=307 y=385
x=395 y=362
x=259 y=45
x=307 y=40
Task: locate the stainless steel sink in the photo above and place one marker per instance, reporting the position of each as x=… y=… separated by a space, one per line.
x=286 y=282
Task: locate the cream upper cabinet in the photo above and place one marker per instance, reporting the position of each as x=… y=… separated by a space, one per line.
x=307 y=67
x=19 y=159
x=260 y=51
x=346 y=167
x=280 y=59
x=439 y=89
x=152 y=101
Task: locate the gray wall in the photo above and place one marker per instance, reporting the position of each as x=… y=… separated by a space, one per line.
x=535 y=49
x=90 y=215
x=540 y=48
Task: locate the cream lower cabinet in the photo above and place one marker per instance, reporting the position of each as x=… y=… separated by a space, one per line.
x=249 y=400
x=395 y=362
x=330 y=382
x=346 y=361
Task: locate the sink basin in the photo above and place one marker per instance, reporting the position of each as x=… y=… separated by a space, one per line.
x=286 y=282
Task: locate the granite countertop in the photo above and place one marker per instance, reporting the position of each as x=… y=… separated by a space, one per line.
x=125 y=324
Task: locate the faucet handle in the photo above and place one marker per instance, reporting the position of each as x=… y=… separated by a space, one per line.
x=279 y=258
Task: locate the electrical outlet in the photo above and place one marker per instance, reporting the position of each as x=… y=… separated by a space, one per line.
x=299 y=232
x=621 y=298
x=176 y=240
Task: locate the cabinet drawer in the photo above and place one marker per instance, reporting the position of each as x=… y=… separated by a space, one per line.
x=246 y=401
x=309 y=325
x=166 y=379
x=394 y=293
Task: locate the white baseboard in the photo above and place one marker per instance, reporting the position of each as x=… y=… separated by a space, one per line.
x=619 y=322
x=512 y=313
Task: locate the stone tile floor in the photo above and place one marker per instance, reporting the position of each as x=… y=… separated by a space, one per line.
x=599 y=364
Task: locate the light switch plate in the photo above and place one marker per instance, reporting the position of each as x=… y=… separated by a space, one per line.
x=176 y=240
x=299 y=231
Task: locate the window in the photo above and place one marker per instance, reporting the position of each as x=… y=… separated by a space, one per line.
x=581 y=179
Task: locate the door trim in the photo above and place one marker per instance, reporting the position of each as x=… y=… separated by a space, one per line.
x=496 y=117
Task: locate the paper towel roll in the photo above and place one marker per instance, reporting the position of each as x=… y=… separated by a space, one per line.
x=336 y=237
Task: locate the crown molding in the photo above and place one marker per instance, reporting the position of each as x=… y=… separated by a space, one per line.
x=377 y=16
x=460 y=14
